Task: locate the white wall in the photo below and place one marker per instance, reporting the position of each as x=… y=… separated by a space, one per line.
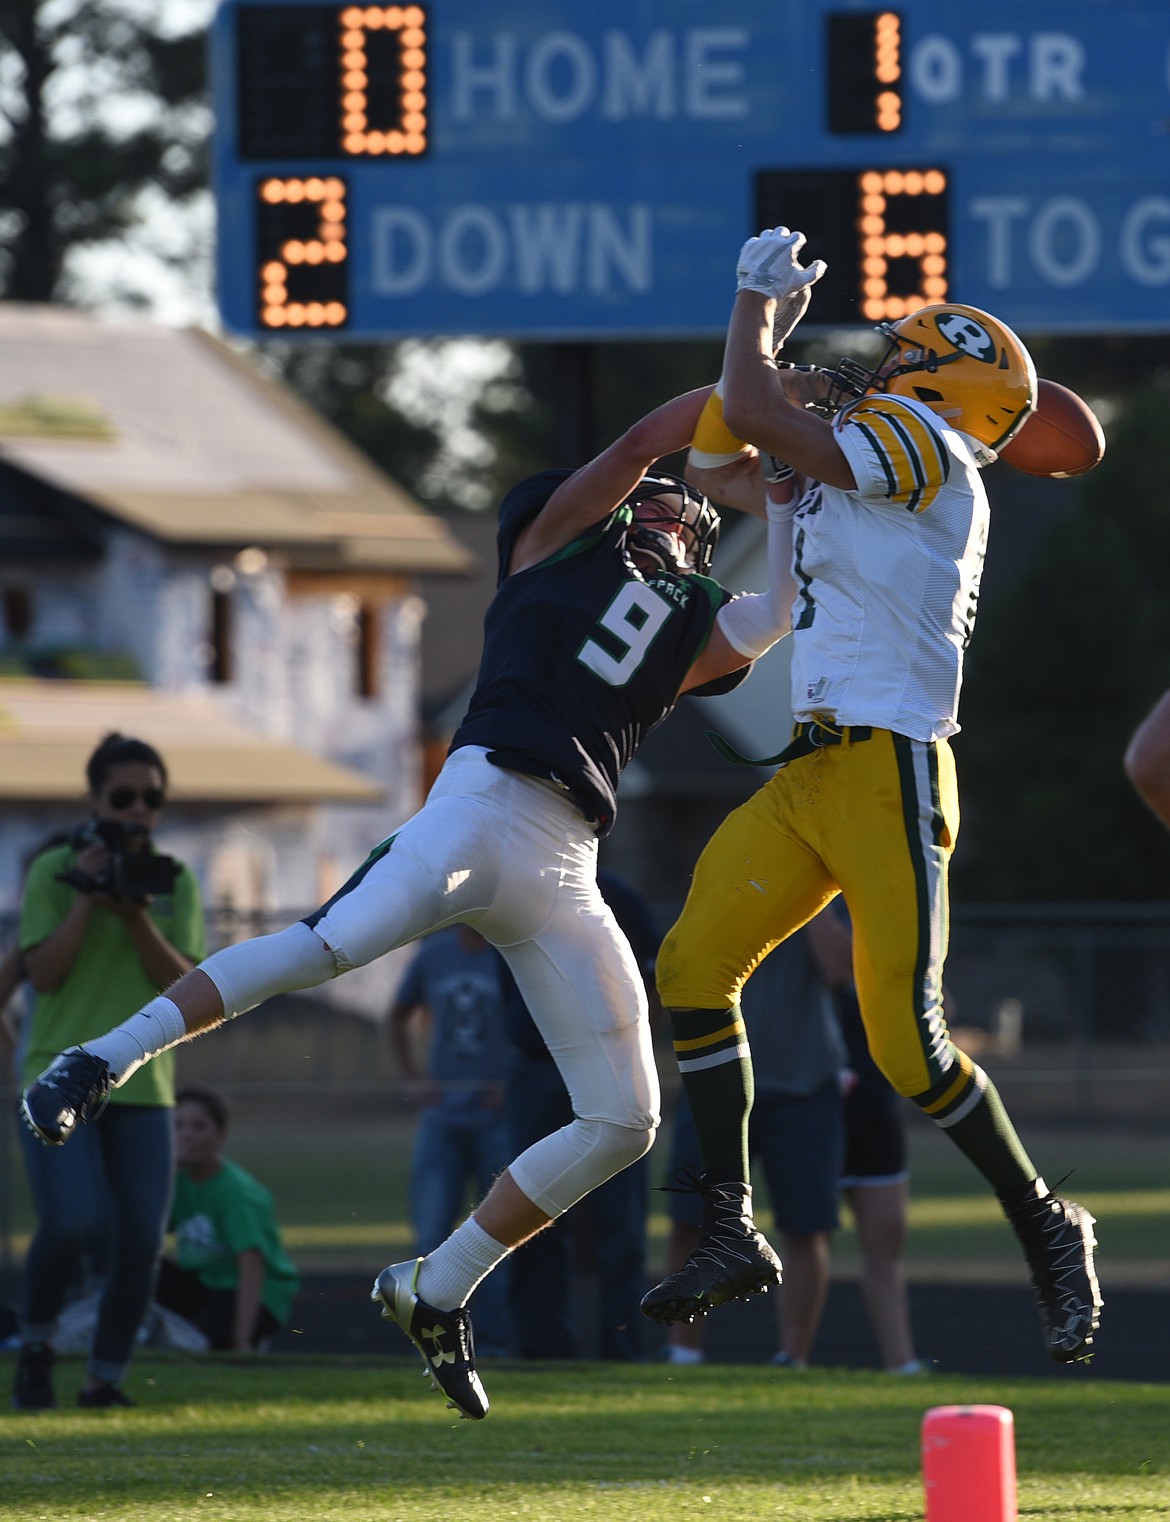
x=129 y=584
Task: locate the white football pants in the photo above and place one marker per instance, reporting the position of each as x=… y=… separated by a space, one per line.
x=513 y=857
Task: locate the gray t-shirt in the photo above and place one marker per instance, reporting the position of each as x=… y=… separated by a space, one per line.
x=795 y=1039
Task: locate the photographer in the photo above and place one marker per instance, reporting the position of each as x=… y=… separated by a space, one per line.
x=106 y=922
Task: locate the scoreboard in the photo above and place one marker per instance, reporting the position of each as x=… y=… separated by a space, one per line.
x=542 y=169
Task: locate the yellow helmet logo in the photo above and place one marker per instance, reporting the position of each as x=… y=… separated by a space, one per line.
x=962 y=331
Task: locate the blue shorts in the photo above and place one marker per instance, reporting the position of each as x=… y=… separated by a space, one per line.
x=798 y=1141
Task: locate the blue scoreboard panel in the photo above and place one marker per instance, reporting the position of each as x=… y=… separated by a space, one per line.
x=544 y=169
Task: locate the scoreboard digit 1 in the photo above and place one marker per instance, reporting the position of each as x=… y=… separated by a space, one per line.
x=863 y=71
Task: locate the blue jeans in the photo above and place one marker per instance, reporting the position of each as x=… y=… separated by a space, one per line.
x=452 y=1148
x=114 y=1177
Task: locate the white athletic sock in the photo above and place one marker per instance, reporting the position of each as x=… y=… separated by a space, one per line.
x=153 y=1029
x=450 y=1273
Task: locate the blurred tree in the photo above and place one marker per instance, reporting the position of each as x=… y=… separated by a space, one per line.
x=101 y=101
x=445 y=417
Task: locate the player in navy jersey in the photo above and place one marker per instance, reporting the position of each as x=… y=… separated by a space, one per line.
x=604 y=614
x=636 y=632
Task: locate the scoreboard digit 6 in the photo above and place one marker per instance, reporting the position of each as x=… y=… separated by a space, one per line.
x=884 y=234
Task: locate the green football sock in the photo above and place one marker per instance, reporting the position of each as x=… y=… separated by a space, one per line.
x=986 y=1135
x=715 y=1063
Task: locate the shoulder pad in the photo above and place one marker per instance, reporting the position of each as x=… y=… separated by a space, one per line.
x=907 y=444
x=520 y=506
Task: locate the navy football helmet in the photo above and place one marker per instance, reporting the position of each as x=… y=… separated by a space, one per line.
x=670 y=500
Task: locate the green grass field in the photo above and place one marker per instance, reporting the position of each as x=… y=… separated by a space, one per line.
x=366 y=1441
x=344 y=1195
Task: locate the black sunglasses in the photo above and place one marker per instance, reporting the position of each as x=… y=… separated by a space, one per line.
x=123 y=797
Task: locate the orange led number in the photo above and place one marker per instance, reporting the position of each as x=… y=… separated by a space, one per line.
x=890 y=293
x=299 y=288
x=379 y=42
x=887 y=69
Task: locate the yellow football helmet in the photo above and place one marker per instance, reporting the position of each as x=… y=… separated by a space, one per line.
x=966 y=365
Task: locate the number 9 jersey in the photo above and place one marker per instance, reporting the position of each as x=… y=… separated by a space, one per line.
x=586 y=655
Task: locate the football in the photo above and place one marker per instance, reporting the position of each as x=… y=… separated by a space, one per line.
x=1061 y=438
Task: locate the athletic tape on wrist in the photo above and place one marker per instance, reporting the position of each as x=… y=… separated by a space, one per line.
x=714 y=443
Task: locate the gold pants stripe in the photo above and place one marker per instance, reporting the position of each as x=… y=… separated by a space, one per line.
x=875 y=821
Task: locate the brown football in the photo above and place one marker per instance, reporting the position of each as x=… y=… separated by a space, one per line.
x=1061 y=438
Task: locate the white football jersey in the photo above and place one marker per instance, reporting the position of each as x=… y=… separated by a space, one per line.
x=888 y=574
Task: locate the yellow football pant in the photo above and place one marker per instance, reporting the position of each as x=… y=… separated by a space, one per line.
x=874 y=819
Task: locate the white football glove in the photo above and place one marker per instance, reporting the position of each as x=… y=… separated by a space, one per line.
x=771 y=265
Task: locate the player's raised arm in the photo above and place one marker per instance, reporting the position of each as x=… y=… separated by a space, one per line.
x=590 y=494
x=764 y=403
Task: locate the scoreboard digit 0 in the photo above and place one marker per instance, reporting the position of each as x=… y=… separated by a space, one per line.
x=331 y=81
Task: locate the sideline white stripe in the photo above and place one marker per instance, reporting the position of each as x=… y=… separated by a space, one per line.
x=717 y=1059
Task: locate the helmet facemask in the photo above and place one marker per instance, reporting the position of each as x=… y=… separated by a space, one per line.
x=853 y=380
x=667 y=501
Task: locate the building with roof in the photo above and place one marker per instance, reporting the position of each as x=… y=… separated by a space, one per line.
x=191 y=555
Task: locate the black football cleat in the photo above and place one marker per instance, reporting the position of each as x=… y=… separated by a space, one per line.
x=732 y=1261
x=74 y=1088
x=442 y=1337
x=1058 y=1242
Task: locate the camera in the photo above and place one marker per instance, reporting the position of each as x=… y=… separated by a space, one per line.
x=129 y=875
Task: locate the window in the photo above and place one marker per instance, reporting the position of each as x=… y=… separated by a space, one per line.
x=18 y=611
x=220 y=639
x=369 y=627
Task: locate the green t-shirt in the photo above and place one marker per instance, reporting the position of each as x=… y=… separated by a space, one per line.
x=230 y=1213
x=108 y=982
